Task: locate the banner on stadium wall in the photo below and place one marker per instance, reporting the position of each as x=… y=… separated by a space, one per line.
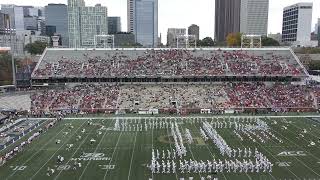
x=205 y=111
x=229 y=111
x=153 y=111
x=143 y=112
x=148 y=111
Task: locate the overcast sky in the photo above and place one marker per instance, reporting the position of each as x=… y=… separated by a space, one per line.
x=182 y=13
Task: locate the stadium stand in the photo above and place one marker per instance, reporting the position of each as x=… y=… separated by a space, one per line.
x=70 y=64
x=130 y=98
x=168 y=80
x=2 y=118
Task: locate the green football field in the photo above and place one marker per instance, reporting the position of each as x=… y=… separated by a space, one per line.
x=125 y=153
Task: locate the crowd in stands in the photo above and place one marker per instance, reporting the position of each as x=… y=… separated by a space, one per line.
x=86 y=97
x=316 y=93
x=146 y=63
x=170 y=96
x=260 y=95
x=91 y=97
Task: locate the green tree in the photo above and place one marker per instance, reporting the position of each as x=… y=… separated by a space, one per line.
x=266 y=41
x=308 y=50
x=206 y=42
x=234 y=39
x=314 y=65
x=36 y=48
x=5 y=69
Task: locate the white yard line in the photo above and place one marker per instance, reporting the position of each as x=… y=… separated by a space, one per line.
x=277 y=159
x=193 y=158
x=261 y=147
x=105 y=175
x=168 y=133
x=301 y=148
x=302 y=129
x=207 y=146
x=34 y=154
x=84 y=140
x=94 y=152
x=152 y=145
x=135 y=140
x=57 y=150
x=24 y=136
x=208 y=117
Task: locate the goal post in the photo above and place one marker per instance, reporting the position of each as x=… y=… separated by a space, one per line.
x=104 y=41
x=186 y=41
x=251 y=41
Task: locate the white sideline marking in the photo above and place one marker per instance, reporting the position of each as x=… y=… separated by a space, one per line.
x=135 y=140
x=74 y=153
x=31 y=157
x=300 y=147
x=168 y=133
x=212 y=155
x=113 y=154
x=94 y=152
x=57 y=150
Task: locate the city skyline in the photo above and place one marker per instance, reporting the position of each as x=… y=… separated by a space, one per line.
x=171 y=17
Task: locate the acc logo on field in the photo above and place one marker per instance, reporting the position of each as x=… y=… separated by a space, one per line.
x=63 y=167
x=284 y=164
x=292 y=153
x=107 y=167
x=92 y=155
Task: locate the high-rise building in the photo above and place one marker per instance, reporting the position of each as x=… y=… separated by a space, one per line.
x=123 y=40
x=143 y=21
x=2 y=22
x=9 y=9
x=114 y=25
x=30 y=23
x=41 y=25
x=296 y=25
x=26 y=10
x=15 y=42
x=57 y=16
x=33 y=12
x=85 y=23
x=19 y=19
x=173 y=34
x=51 y=31
x=318 y=32
x=194 y=30
x=254 y=17
x=227 y=18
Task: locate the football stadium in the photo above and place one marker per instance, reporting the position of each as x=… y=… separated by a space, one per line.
x=158 y=114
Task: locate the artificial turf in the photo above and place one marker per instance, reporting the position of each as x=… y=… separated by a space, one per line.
x=125 y=155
